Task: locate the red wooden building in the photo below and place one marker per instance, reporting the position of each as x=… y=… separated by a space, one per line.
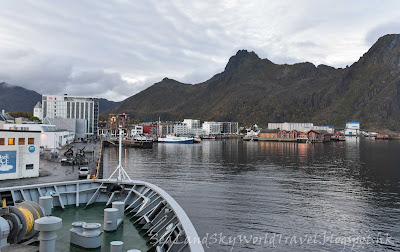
x=319 y=136
x=283 y=134
x=293 y=134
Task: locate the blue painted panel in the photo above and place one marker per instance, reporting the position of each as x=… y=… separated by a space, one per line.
x=8 y=162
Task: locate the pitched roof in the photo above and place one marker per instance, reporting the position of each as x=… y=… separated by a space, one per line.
x=5 y=116
x=38 y=105
x=269 y=131
x=324 y=132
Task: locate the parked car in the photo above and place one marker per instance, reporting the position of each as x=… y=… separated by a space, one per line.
x=83 y=171
x=67 y=161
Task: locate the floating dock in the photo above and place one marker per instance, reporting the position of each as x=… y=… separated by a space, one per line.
x=143 y=144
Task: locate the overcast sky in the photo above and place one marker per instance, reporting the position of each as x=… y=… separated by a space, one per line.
x=115 y=49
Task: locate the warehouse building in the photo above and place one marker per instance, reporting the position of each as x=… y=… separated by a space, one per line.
x=19 y=154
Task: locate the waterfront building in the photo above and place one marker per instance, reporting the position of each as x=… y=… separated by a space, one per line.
x=84 y=109
x=118 y=120
x=328 y=129
x=319 y=136
x=19 y=154
x=293 y=135
x=301 y=127
x=382 y=135
x=50 y=136
x=152 y=128
x=352 y=129
x=136 y=130
x=164 y=128
x=212 y=128
x=38 y=110
x=77 y=126
x=181 y=129
x=102 y=129
x=197 y=132
x=283 y=134
x=230 y=128
x=268 y=135
x=192 y=124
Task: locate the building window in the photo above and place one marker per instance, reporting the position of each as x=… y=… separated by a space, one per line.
x=44 y=107
x=31 y=140
x=73 y=110
x=21 y=141
x=11 y=141
x=68 y=109
x=29 y=166
x=1 y=141
x=86 y=110
x=77 y=110
x=82 y=110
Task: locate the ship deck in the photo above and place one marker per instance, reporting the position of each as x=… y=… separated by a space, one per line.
x=127 y=233
x=150 y=213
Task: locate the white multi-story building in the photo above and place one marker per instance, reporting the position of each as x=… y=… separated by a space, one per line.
x=230 y=127
x=38 y=111
x=212 y=128
x=19 y=154
x=302 y=127
x=136 y=130
x=328 y=129
x=192 y=124
x=165 y=129
x=50 y=136
x=181 y=129
x=197 y=132
x=352 y=129
x=83 y=109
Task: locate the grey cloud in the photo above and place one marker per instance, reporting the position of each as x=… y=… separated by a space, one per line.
x=306 y=44
x=380 y=30
x=118 y=48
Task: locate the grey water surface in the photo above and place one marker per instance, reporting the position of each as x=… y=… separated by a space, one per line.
x=273 y=196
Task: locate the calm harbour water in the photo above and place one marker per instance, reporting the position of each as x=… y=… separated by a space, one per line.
x=267 y=196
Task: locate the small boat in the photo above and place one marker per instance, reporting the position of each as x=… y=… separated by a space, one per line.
x=175 y=139
x=196 y=139
x=247 y=138
x=338 y=137
x=251 y=136
x=207 y=137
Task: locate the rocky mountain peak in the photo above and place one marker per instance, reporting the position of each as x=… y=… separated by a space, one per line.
x=241 y=57
x=5 y=85
x=386 y=51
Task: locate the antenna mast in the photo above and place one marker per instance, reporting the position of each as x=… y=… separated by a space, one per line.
x=121 y=171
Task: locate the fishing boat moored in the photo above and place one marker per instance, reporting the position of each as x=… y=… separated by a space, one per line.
x=175 y=139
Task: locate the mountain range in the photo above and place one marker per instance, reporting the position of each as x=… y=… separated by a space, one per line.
x=15 y=98
x=253 y=90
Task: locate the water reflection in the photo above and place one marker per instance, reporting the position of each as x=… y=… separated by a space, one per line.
x=236 y=188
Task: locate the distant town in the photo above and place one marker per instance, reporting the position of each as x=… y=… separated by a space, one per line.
x=60 y=120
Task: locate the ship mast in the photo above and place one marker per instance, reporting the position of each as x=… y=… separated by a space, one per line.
x=121 y=171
